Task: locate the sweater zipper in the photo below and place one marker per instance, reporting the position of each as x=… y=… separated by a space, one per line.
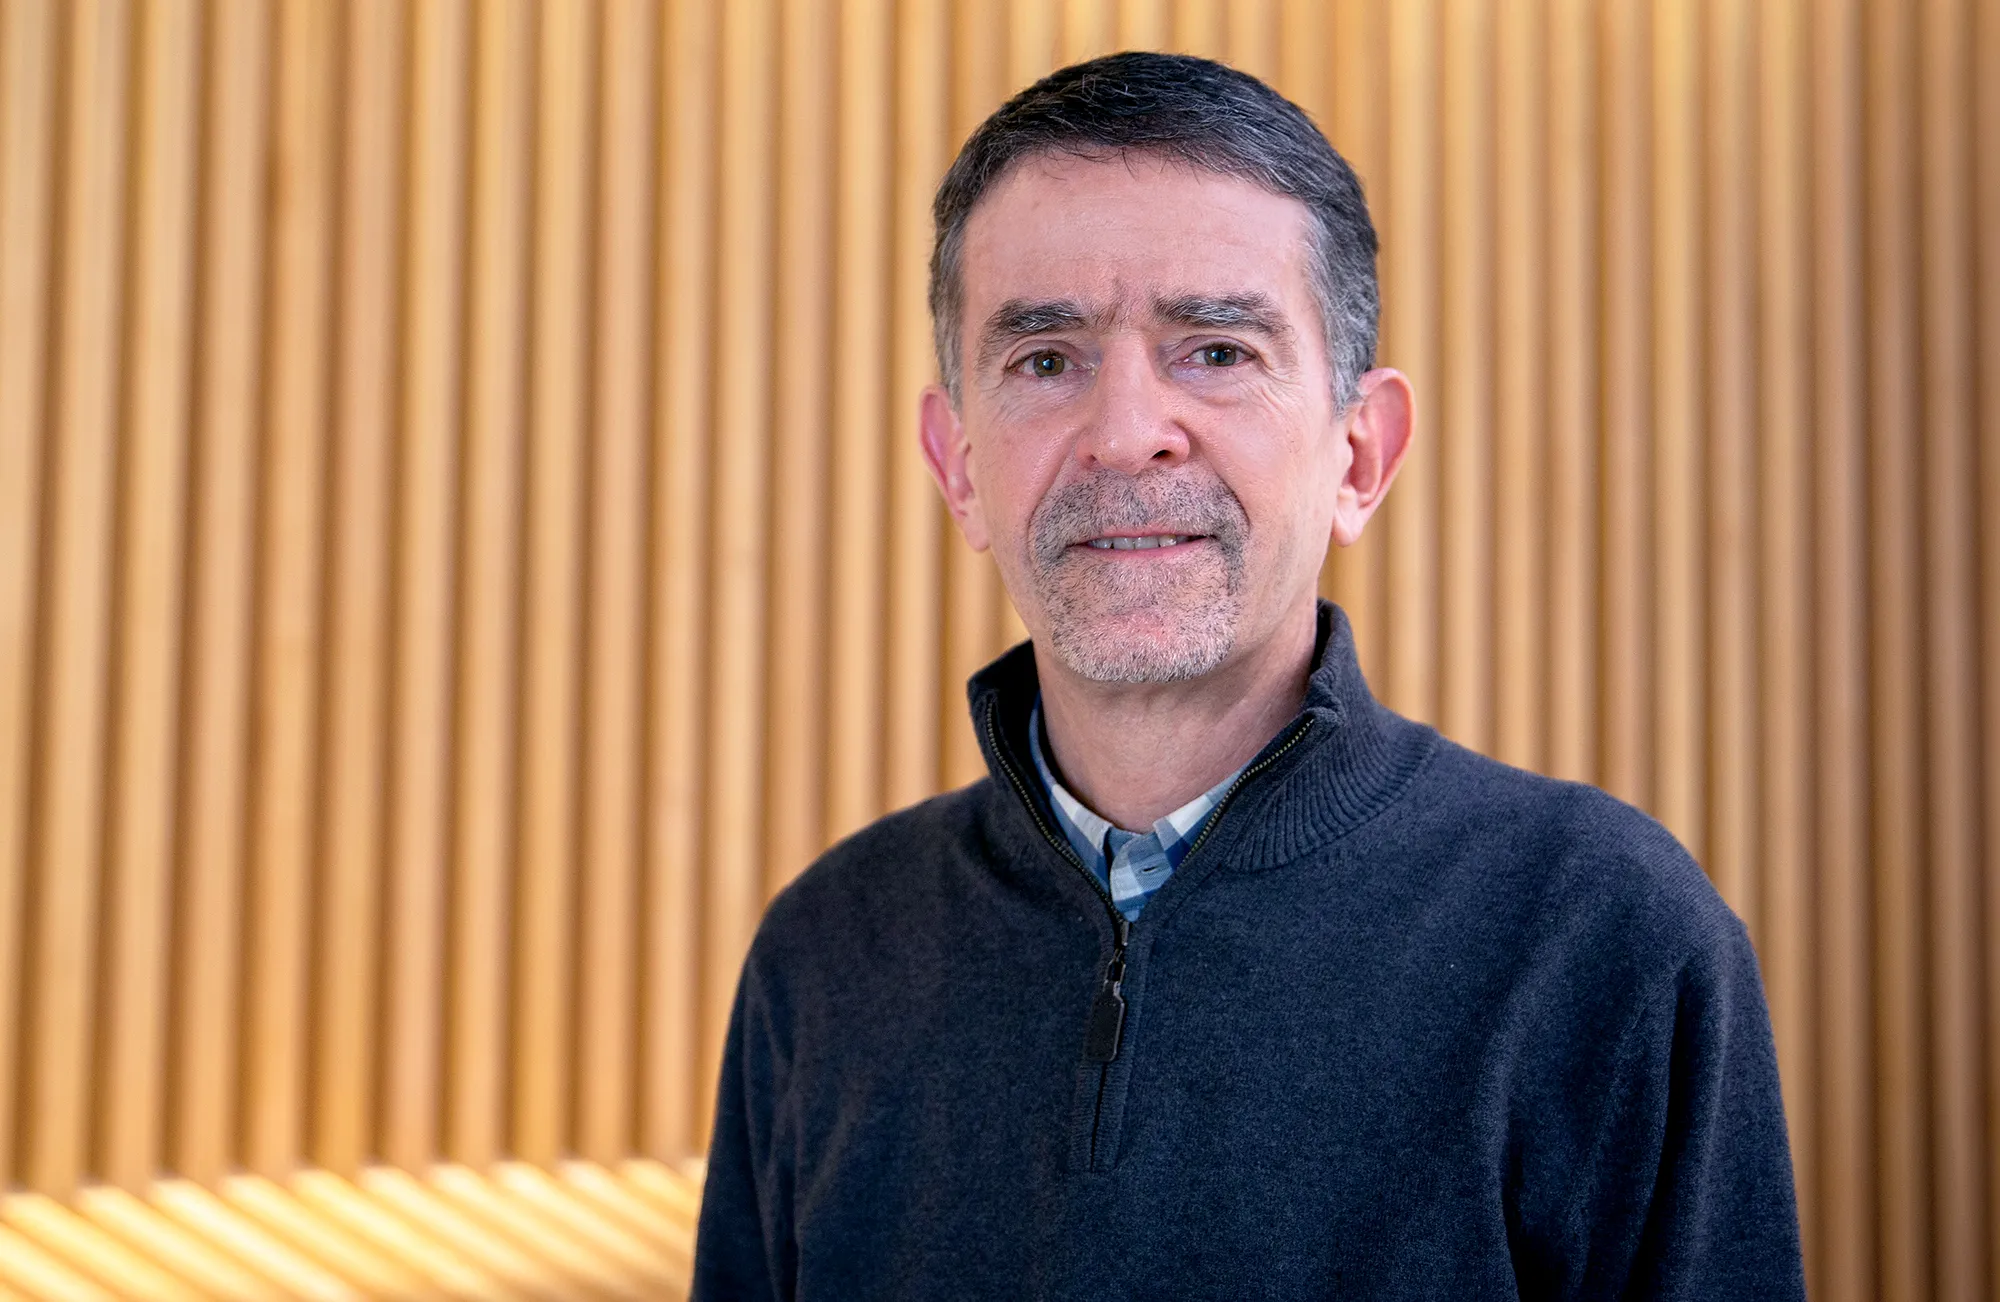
x=1106 y=1033
x=1107 y=1012
x=1215 y=815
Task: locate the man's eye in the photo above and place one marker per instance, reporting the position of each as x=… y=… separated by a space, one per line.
x=1047 y=366
x=1221 y=355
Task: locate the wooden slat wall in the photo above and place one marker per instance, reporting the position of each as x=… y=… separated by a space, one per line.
x=462 y=544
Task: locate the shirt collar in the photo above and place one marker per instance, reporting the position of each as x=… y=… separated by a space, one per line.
x=1340 y=762
x=1087 y=831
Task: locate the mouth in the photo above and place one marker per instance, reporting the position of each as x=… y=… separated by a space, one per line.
x=1144 y=542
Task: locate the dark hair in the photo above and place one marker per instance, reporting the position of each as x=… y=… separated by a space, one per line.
x=1196 y=112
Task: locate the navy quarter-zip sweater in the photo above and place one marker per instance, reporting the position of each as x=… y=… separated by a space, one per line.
x=1406 y=1023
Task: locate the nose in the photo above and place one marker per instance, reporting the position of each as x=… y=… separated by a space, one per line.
x=1132 y=424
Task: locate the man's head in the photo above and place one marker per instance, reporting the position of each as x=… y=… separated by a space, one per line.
x=1192 y=111
x=1155 y=304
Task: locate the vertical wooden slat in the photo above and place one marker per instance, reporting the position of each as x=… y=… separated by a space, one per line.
x=1089 y=28
x=553 y=531
x=972 y=632
x=1302 y=31
x=285 y=807
x=1462 y=433
x=204 y=1064
x=1782 y=837
x=76 y=608
x=28 y=35
x=1570 y=677
x=1198 y=27
x=347 y=945
x=1522 y=466
x=614 y=682
x=1948 y=548
x=861 y=413
x=913 y=656
x=1624 y=580
x=1847 y=1208
x=1984 y=43
x=152 y=510
x=1142 y=24
x=1728 y=374
x=1408 y=217
x=1674 y=475
x=1357 y=66
x=1895 y=650
x=419 y=824
x=1034 y=40
x=682 y=369
x=800 y=420
x=1250 y=37
x=483 y=751
x=733 y=859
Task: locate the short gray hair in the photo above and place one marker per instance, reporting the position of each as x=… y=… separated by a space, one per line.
x=1196 y=112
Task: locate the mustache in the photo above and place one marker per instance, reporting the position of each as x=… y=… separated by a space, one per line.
x=1108 y=501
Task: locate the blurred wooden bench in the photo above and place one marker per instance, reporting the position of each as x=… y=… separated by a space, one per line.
x=578 y=1230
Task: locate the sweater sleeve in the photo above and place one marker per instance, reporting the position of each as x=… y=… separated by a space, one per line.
x=739 y=1240
x=1689 y=1193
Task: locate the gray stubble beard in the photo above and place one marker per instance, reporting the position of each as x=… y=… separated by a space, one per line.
x=1085 y=606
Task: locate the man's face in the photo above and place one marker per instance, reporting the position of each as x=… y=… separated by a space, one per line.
x=1152 y=447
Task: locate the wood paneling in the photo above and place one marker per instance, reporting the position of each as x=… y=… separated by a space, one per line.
x=144 y=692
x=74 y=623
x=285 y=741
x=1781 y=476
x=28 y=44
x=683 y=357
x=1842 y=1085
x=1895 y=646
x=1408 y=218
x=615 y=608
x=1984 y=51
x=732 y=873
x=487 y=604
x=426 y=527
x=462 y=548
x=552 y=572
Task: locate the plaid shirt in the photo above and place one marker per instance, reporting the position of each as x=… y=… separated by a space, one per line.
x=1132 y=865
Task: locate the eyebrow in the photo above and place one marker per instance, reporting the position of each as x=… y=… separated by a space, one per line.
x=1018 y=318
x=1252 y=311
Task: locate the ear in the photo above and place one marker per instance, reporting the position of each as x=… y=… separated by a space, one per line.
x=1379 y=429
x=947 y=453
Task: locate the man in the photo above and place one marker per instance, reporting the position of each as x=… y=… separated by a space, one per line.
x=1228 y=982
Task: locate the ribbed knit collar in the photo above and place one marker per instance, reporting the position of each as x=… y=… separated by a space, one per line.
x=1333 y=767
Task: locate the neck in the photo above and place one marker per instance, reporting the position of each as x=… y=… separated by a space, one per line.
x=1135 y=752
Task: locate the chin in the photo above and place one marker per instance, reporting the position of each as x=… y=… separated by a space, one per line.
x=1160 y=643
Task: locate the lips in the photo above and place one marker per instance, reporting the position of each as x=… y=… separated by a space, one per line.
x=1108 y=515
x=1141 y=543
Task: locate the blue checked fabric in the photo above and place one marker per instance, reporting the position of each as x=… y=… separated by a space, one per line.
x=1132 y=865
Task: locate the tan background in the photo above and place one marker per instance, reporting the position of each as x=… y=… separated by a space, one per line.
x=462 y=544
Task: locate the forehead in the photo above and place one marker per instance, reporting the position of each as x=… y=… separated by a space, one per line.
x=1131 y=227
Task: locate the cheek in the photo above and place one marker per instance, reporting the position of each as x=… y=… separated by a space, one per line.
x=1011 y=470
x=1278 y=469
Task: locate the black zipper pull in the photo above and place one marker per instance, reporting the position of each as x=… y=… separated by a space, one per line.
x=1107 y=1012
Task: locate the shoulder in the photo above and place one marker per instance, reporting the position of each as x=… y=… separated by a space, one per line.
x=1569 y=865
